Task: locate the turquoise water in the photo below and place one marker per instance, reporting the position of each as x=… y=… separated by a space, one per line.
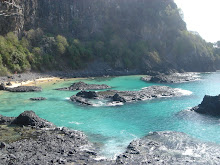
x=114 y=127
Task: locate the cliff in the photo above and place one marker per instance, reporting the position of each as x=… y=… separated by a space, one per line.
x=143 y=34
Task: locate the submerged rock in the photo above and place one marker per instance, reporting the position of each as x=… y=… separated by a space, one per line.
x=25 y=89
x=171 y=78
x=83 y=86
x=29 y=118
x=112 y=96
x=38 y=98
x=170 y=148
x=210 y=105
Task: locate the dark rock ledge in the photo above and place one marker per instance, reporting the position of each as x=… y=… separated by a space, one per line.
x=40 y=142
x=112 y=97
x=210 y=106
x=171 y=78
x=83 y=86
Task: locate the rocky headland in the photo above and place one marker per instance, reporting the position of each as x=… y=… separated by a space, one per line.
x=84 y=86
x=171 y=78
x=113 y=97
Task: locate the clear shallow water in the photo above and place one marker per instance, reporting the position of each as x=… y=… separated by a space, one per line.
x=115 y=127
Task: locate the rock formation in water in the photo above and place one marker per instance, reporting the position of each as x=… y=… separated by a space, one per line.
x=113 y=97
x=38 y=98
x=210 y=106
x=171 y=78
x=84 y=86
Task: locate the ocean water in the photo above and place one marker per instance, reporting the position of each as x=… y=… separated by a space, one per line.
x=113 y=128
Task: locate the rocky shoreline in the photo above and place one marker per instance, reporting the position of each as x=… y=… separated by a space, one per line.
x=28 y=139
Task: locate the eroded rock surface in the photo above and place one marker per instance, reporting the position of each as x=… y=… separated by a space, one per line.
x=84 y=86
x=114 y=96
x=171 y=78
x=170 y=148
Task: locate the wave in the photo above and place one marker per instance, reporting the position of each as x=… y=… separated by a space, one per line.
x=74 y=122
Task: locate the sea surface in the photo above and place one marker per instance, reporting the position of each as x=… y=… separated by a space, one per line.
x=113 y=128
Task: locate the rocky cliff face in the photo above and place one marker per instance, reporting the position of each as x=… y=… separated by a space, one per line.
x=156 y=23
x=85 y=17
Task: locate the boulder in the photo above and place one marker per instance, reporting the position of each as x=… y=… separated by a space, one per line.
x=29 y=118
x=210 y=105
x=25 y=89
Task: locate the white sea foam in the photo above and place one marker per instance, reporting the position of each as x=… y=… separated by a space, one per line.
x=184 y=92
x=67 y=98
x=74 y=122
x=111 y=104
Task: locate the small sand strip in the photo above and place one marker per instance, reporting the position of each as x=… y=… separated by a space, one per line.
x=34 y=82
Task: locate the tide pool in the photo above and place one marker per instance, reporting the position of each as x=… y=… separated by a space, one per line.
x=113 y=128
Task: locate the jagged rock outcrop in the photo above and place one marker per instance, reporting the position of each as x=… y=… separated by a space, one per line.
x=84 y=86
x=170 y=148
x=210 y=106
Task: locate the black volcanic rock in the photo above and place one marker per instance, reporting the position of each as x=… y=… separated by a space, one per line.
x=29 y=118
x=83 y=86
x=170 y=148
x=25 y=89
x=210 y=106
x=38 y=98
x=113 y=96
